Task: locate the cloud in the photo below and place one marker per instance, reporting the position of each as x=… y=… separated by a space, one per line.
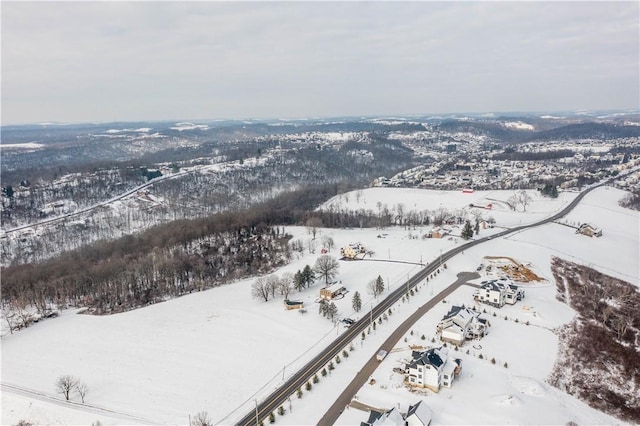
x=136 y=60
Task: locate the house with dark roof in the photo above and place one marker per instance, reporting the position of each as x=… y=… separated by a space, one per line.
x=498 y=292
x=460 y=324
x=432 y=369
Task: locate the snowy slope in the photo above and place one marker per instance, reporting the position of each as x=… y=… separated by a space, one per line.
x=218 y=350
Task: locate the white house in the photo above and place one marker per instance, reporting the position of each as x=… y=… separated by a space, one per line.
x=432 y=369
x=352 y=250
x=498 y=292
x=461 y=324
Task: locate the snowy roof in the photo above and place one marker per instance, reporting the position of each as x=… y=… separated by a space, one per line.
x=421 y=412
x=432 y=357
x=458 y=311
x=335 y=287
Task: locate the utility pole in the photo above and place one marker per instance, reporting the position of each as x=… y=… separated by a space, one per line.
x=257 y=421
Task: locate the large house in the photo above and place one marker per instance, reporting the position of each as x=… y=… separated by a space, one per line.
x=460 y=324
x=352 y=250
x=498 y=292
x=432 y=369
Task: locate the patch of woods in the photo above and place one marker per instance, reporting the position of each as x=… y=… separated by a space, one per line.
x=631 y=200
x=599 y=360
x=163 y=262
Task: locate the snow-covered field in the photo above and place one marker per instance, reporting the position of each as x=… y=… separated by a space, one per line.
x=217 y=350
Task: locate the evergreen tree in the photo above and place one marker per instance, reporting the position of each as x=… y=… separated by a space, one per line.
x=323 y=308
x=477 y=227
x=309 y=275
x=379 y=285
x=299 y=281
x=467 y=231
x=356 y=302
x=332 y=311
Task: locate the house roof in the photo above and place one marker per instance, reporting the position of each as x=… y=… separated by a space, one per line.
x=421 y=412
x=335 y=287
x=432 y=356
x=464 y=313
x=392 y=417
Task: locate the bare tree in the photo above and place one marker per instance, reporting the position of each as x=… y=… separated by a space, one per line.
x=373 y=288
x=524 y=199
x=327 y=267
x=9 y=316
x=285 y=284
x=512 y=202
x=313 y=223
x=201 y=419
x=65 y=384
x=82 y=389
x=328 y=242
x=273 y=284
x=259 y=289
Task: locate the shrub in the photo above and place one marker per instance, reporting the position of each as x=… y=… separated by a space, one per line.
x=272 y=418
x=480 y=356
x=281 y=410
x=338 y=360
x=506 y=365
x=299 y=393
x=323 y=372
x=422 y=337
x=493 y=360
x=308 y=386
x=345 y=354
x=316 y=379
x=331 y=366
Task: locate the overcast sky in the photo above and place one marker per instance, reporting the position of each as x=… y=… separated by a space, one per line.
x=127 y=61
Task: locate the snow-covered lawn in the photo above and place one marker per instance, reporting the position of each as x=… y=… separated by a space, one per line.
x=217 y=350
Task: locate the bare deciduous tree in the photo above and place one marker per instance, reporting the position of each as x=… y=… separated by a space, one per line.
x=285 y=284
x=524 y=199
x=313 y=223
x=328 y=242
x=201 y=419
x=326 y=267
x=65 y=384
x=273 y=284
x=373 y=288
x=260 y=290
x=82 y=389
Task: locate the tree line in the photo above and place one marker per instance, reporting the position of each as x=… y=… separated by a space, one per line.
x=165 y=261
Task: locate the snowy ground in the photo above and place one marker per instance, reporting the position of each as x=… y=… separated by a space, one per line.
x=218 y=350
